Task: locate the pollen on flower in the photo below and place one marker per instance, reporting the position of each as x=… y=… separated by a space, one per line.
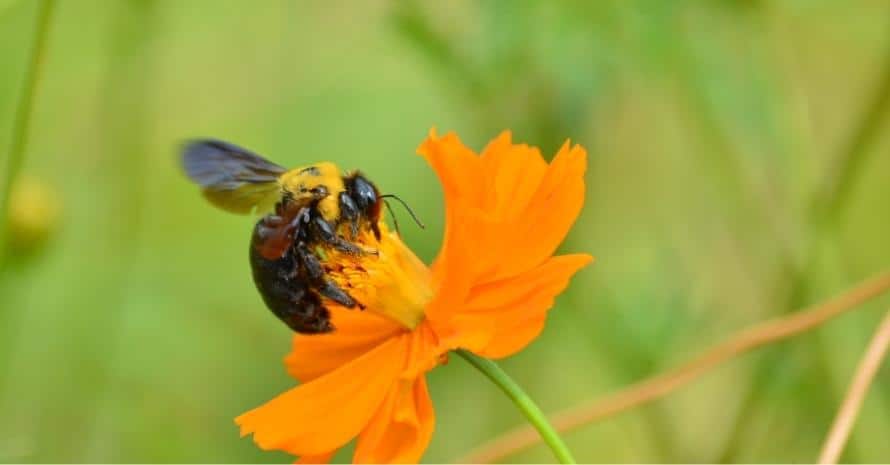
x=392 y=282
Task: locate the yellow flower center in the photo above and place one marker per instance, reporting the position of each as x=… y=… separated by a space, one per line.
x=392 y=282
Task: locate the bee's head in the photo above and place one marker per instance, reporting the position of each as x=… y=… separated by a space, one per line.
x=362 y=201
x=366 y=199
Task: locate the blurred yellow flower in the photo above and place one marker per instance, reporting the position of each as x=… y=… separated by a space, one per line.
x=34 y=211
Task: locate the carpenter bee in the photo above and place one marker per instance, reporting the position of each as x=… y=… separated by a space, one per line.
x=304 y=208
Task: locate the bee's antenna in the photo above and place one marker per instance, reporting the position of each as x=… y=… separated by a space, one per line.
x=392 y=214
x=410 y=211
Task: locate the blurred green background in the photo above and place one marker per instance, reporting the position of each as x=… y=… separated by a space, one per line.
x=131 y=331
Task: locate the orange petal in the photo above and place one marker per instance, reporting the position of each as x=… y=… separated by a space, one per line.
x=514 y=337
x=522 y=211
x=513 y=310
x=458 y=168
x=463 y=180
x=519 y=210
x=422 y=350
x=357 y=333
x=402 y=427
x=514 y=173
x=547 y=217
x=322 y=415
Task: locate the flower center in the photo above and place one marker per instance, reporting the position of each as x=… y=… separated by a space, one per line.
x=393 y=282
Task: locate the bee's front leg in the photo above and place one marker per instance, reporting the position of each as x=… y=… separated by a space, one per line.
x=350 y=214
x=327 y=234
x=295 y=231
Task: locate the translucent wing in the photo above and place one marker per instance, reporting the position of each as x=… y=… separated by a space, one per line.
x=232 y=178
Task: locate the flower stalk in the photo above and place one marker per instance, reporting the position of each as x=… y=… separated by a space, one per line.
x=523 y=402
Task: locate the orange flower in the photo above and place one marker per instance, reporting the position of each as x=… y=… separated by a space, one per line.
x=488 y=292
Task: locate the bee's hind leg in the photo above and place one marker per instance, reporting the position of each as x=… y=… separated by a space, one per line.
x=320 y=283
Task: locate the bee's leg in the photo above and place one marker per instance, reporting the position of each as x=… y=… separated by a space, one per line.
x=332 y=291
x=295 y=231
x=272 y=221
x=304 y=195
x=307 y=315
x=349 y=212
x=298 y=224
x=324 y=286
x=327 y=234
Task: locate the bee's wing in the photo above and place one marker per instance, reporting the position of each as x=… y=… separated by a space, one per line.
x=232 y=178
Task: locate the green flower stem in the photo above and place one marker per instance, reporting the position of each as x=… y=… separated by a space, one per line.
x=19 y=142
x=525 y=404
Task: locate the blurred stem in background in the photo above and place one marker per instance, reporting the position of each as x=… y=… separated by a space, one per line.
x=21 y=124
x=412 y=24
x=831 y=200
x=732 y=174
x=862 y=380
x=125 y=117
x=14 y=160
x=507 y=85
x=718 y=153
x=826 y=210
x=523 y=402
x=660 y=385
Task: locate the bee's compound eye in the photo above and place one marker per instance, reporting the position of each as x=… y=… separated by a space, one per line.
x=364 y=193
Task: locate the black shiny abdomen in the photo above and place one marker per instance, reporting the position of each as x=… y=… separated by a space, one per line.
x=284 y=288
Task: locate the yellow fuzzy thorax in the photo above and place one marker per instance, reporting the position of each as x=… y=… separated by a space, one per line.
x=299 y=182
